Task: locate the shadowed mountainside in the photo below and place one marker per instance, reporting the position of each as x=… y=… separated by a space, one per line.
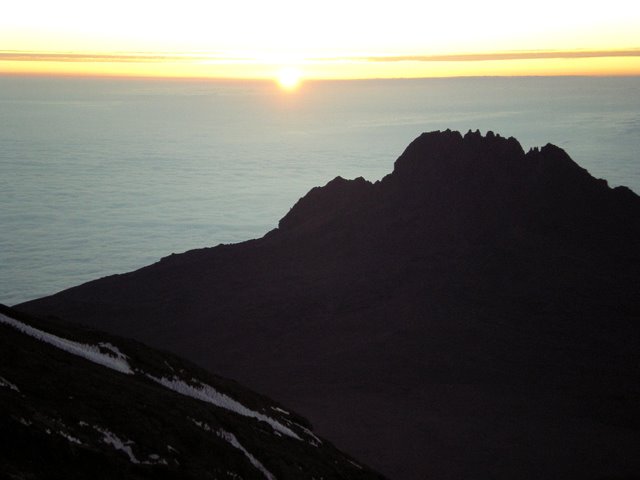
x=77 y=404
x=473 y=314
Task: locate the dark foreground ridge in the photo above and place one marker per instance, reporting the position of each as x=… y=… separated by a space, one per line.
x=80 y=404
x=472 y=315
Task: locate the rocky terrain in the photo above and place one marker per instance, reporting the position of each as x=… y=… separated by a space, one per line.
x=77 y=403
x=474 y=314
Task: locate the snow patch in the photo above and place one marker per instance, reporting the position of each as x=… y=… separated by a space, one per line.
x=88 y=352
x=112 y=439
x=315 y=441
x=233 y=441
x=208 y=394
x=277 y=409
x=354 y=464
x=113 y=349
x=155 y=459
x=202 y=425
x=171 y=449
x=70 y=438
x=6 y=383
x=231 y=438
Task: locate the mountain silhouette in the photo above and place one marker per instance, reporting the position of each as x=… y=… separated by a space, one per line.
x=472 y=314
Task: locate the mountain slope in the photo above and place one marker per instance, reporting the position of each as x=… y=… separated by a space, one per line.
x=81 y=404
x=475 y=312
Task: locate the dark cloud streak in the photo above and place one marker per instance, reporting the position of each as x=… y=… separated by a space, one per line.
x=17 y=56
x=143 y=57
x=500 y=56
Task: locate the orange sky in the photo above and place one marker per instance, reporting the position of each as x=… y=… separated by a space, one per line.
x=332 y=39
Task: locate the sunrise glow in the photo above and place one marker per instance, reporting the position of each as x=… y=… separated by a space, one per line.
x=251 y=39
x=289 y=78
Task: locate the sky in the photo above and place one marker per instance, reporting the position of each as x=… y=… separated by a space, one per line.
x=330 y=39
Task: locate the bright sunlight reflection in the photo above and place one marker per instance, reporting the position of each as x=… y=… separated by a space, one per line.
x=289 y=78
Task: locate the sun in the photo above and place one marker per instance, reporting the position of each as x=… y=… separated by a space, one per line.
x=289 y=78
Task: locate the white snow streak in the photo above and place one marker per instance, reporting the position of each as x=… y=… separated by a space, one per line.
x=88 y=352
x=315 y=441
x=69 y=437
x=171 y=449
x=26 y=423
x=154 y=459
x=278 y=409
x=202 y=425
x=207 y=393
x=6 y=383
x=111 y=438
x=231 y=439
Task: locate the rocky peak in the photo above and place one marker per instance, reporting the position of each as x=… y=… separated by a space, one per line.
x=445 y=181
x=440 y=155
x=322 y=204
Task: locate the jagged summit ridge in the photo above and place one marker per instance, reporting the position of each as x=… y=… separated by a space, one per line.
x=445 y=180
x=489 y=168
x=438 y=150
